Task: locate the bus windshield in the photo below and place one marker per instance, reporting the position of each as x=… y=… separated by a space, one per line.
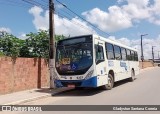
x=74 y=58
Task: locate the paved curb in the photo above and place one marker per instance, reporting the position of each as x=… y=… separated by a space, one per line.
x=27 y=100
x=54 y=91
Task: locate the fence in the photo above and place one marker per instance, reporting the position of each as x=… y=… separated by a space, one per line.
x=22 y=74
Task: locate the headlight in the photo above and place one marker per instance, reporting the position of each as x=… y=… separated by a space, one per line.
x=89 y=74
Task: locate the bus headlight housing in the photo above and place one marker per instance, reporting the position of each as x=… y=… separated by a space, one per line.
x=89 y=74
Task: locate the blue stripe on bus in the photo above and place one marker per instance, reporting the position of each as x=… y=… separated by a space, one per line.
x=91 y=82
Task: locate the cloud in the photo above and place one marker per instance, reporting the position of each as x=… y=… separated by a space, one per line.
x=8 y=30
x=111 y=21
x=22 y=36
x=40 y=18
x=139 y=3
x=124 y=16
x=120 y=1
x=115 y=19
x=59 y=6
x=63 y=26
x=73 y=27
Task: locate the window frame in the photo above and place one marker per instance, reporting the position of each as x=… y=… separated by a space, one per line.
x=109 y=51
x=124 y=53
x=135 y=56
x=98 y=60
x=128 y=56
x=119 y=53
x=132 y=55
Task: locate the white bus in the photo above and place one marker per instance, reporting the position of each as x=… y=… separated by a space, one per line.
x=93 y=61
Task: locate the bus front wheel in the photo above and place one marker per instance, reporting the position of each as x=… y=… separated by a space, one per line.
x=110 y=84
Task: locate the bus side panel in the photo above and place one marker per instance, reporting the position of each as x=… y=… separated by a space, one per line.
x=101 y=80
x=120 y=69
x=134 y=65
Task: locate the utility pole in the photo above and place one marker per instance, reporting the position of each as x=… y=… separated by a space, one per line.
x=158 y=55
x=51 y=42
x=142 y=57
x=153 y=54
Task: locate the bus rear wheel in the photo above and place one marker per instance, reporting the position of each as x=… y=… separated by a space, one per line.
x=110 y=84
x=132 y=78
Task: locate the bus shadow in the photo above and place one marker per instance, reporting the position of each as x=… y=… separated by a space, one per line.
x=87 y=91
x=122 y=82
x=76 y=92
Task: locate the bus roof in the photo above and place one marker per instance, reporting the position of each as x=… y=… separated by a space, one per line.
x=113 y=42
x=106 y=40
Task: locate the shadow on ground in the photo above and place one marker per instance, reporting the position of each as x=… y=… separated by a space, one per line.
x=122 y=82
x=87 y=91
x=58 y=92
x=77 y=92
x=45 y=90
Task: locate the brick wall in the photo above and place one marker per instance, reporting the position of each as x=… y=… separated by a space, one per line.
x=22 y=74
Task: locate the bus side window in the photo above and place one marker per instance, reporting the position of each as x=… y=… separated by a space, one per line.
x=124 y=55
x=109 y=51
x=135 y=56
x=132 y=55
x=117 y=52
x=99 y=54
x=128 y=54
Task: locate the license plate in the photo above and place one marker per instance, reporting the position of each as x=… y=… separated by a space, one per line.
x=71 y=85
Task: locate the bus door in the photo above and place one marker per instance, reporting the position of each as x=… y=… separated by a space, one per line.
x=100 y=63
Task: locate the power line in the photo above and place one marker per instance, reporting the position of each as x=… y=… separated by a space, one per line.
x=73 y=22
x=32 y=2
x=70 y=17
x=66 y=12
x=38 y=3
x=82 y=18
x=13 y=3
x=44 y=1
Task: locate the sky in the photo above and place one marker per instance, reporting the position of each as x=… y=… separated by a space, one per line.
x=121 y=20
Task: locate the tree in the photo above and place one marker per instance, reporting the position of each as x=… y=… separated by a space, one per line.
x=10 y=45
x=59 y=37
x=36 y=45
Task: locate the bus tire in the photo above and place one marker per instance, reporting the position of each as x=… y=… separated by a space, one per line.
x=132 y=78
x=110 y=84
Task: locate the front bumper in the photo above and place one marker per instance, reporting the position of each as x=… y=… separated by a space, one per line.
x=91 y=82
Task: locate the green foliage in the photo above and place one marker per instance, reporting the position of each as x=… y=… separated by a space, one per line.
x=59 y=37
x=36 y=44
x=1 y=54
x=10 y=45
